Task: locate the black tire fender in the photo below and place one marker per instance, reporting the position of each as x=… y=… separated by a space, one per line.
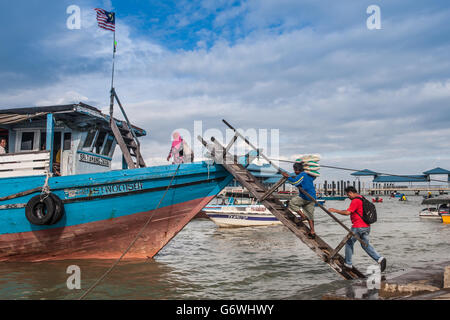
x=59 y=209
x=40 y=212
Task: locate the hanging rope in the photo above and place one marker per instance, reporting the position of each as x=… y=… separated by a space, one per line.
x=133 y=242
x=45 y=188
x=356 y=170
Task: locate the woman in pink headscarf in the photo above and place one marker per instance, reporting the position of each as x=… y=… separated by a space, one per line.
x=177 y=149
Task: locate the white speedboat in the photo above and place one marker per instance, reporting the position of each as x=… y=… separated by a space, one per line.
x=240 y=215
x=230 y=214
x=430 y=213
x=440 y=211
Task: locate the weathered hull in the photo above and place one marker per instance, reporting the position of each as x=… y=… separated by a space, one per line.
x=104 y=215
x=106 y=239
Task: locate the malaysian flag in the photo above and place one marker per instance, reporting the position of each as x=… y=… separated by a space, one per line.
x=106 y=20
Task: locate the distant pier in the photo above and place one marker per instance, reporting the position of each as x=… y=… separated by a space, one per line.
x=336 y=188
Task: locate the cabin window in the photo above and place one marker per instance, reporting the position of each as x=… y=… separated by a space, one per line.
x=27 y=142
x=43 y=141
x=89 y=139
x=100 y=141
x=108 y=145
x=67 y=140
x=97 y=141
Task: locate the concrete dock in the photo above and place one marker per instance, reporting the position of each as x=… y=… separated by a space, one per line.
x=424 y=283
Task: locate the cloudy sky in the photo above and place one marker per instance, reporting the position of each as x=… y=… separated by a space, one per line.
x=377 y=99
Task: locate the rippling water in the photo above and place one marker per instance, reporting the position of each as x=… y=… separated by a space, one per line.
x=207 y=262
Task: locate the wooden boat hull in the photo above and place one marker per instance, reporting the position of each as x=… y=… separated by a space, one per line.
x=105 y=211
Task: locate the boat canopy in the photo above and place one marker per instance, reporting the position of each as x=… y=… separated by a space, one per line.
x=80 y=115
x=437 y=200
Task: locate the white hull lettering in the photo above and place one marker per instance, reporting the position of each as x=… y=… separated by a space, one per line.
x=94 y=160
x=104 y=190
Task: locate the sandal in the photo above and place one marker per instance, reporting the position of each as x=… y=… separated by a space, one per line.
x=298 y=221
x=311 y=235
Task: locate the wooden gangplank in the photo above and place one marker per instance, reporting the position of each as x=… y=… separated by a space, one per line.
x=327 y=253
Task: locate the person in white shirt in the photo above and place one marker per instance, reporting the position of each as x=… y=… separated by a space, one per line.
x=2 y=146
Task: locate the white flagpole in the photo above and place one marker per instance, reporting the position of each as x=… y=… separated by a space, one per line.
x=114 y=56
x=113 y=93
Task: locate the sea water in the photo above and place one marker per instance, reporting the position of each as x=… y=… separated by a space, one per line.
x=207 y=262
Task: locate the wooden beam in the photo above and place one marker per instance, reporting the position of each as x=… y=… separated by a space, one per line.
x=274 y=187
x=121 y=143
x=332 y=216
x=251 y=145
x=286 y=216
x=339 y=247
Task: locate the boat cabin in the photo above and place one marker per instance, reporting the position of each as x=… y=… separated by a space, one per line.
x=64 y=140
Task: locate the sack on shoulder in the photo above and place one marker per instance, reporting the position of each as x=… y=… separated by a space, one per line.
x=369 y=211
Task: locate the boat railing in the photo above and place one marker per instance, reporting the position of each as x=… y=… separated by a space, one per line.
x=24 y=164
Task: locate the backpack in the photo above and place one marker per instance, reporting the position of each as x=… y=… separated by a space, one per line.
x=369 y=211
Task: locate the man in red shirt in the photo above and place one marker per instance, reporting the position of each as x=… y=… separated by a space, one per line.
x=359 y=227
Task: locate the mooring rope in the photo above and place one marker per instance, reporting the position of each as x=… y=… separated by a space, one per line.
x=133 y=242
x=45 y=188
x=356 y=170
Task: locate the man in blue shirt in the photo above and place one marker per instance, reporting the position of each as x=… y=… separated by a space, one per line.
x=301 y=203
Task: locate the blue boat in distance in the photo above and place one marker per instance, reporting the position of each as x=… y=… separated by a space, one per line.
x=59 y=198
x=335 y=198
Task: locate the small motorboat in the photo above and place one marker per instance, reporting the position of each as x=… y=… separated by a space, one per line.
x=377 y=199
x=440 y=211
x=230 y=216
x=430 y=213
x=396 y=195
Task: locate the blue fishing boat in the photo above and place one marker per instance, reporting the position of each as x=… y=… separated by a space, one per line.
x=60 y=199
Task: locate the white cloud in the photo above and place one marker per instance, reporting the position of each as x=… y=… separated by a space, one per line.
x=358 y=98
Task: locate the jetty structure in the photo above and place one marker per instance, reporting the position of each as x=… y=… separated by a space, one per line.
x=221 y=155
x=374 y=183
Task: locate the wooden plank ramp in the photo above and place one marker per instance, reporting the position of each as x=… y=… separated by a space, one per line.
x=327 y=253
x=125 y=137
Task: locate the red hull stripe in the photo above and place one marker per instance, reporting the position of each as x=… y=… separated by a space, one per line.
x=105 y=239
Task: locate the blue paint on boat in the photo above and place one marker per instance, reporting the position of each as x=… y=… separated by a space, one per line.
x=102 y=196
